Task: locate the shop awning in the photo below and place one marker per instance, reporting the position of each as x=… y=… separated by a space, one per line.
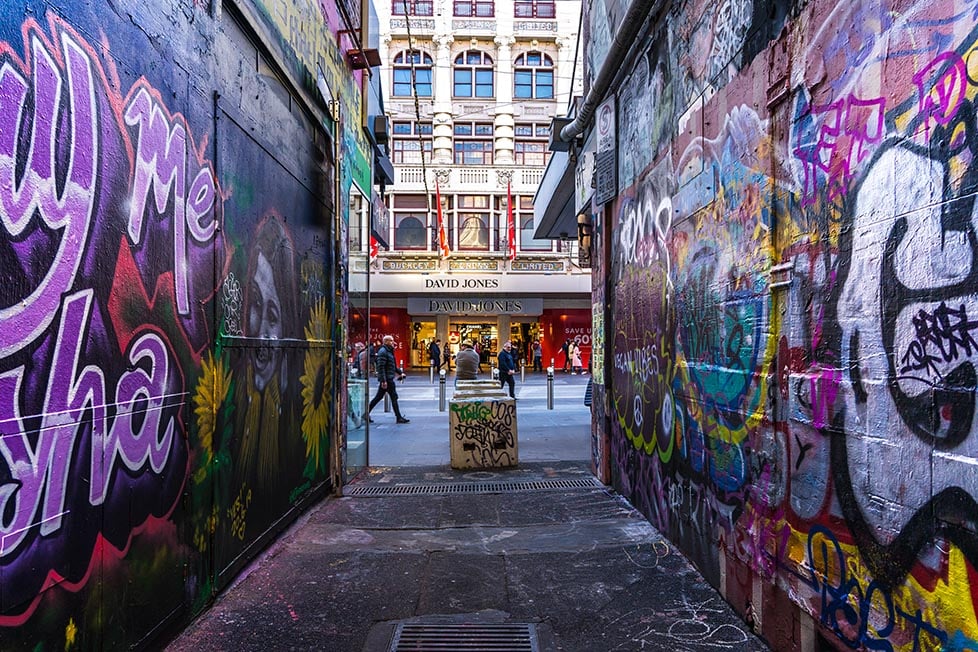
x=383 y=168
x=553 y=204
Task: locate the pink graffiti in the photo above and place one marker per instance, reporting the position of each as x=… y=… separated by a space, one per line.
x=825 y=383
x=849 y=126
x=941 y=97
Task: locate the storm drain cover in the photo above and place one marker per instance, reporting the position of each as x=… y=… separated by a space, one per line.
x=470 y=487
x=422 y=637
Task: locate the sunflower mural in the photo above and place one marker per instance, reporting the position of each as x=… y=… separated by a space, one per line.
x=316 y=392
x=212 y=458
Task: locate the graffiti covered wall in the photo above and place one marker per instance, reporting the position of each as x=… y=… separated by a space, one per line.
x=166 y=393
x=792 y=281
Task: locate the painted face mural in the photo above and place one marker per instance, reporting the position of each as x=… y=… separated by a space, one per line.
x=264 y=320
x=268 y=306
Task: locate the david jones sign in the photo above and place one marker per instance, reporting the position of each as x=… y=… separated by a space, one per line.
x=475 y=306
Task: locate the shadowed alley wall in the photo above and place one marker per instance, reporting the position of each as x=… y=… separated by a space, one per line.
x=167 y=255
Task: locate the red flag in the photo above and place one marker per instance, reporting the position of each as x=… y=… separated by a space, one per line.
x=374 y=247
x=510 y=224
x=443 y=250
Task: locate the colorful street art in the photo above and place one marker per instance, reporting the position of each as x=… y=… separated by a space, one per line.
x=793 y=287
x=166 y=327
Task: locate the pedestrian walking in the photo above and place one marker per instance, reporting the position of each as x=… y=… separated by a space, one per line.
x=576 y=363
x=434 y=354
x=565 y=347
x=447 y=357
x=388 y=373
x=507 y=369
x=537 y=356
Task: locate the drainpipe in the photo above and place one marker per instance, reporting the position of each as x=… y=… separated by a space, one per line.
x=634 y=19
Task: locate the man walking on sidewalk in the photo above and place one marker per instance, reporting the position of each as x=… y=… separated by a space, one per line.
x=507 y=368
x=387 y=373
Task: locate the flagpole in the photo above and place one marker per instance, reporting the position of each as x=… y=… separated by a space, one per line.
x=510 y=224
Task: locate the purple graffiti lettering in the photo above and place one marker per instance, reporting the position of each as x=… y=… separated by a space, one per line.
x=42 y=470
x=37 y=189
x=849 y=125
x=162 y=161
x=941 y=98
x=135 y=444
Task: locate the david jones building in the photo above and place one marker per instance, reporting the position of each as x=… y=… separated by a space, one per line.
x=457 y=252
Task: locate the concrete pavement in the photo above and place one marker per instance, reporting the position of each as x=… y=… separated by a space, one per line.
x=421 y=557
x=563 y=433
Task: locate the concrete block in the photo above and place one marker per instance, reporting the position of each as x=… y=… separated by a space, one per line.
x=482 y=430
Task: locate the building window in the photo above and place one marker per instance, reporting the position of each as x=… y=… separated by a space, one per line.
x=410 y=221
x=473 y=75
x=408 y=152
x=409 y=141
x=530 y=153
x=531 y=146
x=477 y=8
x=523 y=214
x=535 y=9
x=533 y=77
x=473 y=152
x=412 y=70
x=412 y=7
x=473 y=222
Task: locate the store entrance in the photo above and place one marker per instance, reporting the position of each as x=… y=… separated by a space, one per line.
x=484 y=336
x=523 y=334
x=423 y=334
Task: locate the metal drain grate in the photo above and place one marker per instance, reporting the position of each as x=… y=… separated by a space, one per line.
x=470 y=487
x=513 y=637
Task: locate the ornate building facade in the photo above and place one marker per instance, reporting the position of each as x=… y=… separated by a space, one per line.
x=470 y=88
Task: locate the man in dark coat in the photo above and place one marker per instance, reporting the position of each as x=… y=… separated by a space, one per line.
x=434 y=354
x=387 y=374
x=507 y=368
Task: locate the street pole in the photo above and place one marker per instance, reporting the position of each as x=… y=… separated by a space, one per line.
x=550 y=387
x=441 y=391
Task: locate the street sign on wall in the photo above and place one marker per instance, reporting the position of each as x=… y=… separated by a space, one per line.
x=606 y=164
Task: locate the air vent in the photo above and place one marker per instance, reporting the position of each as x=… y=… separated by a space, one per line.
x=366 y=490
x=417 y=637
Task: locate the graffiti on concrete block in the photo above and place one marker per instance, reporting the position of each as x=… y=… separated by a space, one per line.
x=485 y=432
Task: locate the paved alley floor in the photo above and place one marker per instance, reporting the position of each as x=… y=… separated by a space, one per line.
x=554 y=552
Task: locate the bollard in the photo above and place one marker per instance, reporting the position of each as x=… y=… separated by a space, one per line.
x=522 y=373
x=387 y=402
x=441 y=391
x=431 y=375
x=550 y=388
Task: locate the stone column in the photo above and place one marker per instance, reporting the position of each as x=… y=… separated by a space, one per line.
x=442 y=119
x=503 y=123
x=564 y=86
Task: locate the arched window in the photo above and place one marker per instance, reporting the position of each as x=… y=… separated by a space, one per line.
x=473 y=75
x=418 y=62
x=410 y=232
x=533 y=76
x=410 y=221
